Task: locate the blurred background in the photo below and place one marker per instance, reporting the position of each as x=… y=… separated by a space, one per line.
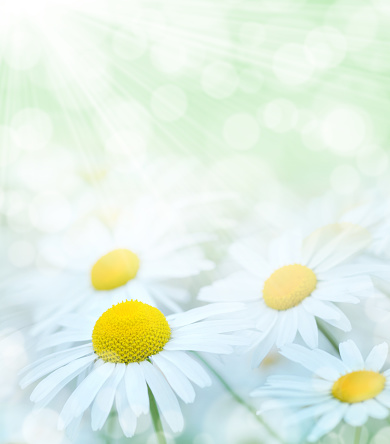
x=245 y=104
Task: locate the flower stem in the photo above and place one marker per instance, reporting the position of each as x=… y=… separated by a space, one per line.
x=358 y=431
x=238 y=398
x=328 y=336
x=156 y=419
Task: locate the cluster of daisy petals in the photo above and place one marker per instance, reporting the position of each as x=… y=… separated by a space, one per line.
x=114 y=333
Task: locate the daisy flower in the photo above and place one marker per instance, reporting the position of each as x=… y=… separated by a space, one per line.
x=295 y=282
x=142 y=256
x=132 y=348
x=350 y=389
x=365 y=210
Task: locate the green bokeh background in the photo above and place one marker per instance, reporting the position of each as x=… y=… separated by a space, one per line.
x=294 y=90
x=255 y=97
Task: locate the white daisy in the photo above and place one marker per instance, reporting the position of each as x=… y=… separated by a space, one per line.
x=366 y=210
x=131 y=347
x=296 y=281
x=142 y=257
x=350 y=389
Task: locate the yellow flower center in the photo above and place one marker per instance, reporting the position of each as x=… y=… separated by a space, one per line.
x=114 y=269
x=358 y=386
x=130 y=331
x=289 y=286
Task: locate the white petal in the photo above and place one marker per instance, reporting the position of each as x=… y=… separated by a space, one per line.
x=85 y=393
x=165 y=295
x=104 y=400
x=197 y=314
x=308 y=329
x=384 y=398
x=54 y=361
x=287 y=328
x=342 y=323
x=266 y=319
x=318 y=361
x=312 y=410
x=179 y=243
x=136 y=389
x=179 y=383
x=266 y=342
x=136 y=289
x=356 y=414
x=240 y=286
x=64 y=338
x=200 y=343
x=351 y=355
x=176 y=265
x=212 y=327
x=73 y=428
x=60 y=377
x=333 y=296
x=164 y=396
x=319 y=385
x=126 y=416
x=189 y=366
x=330 y=245
x=285 y=249
x=377 y=357
x=327 y=422
x=74 y=351
x=323 y=310
x=247 y=258
x=375 y=409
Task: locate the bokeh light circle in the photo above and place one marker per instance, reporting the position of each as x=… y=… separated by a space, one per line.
x=252 y=34
x=130 y=43
x=22 y=49
x=32 y=128
x=9 y=148
x=169 y=103
x=219 y=79
x=325 y=47
x=344 y=130
x=291 y=65
x=280 y=115
x=373 y=162
x=169 y=55
x=241 y=131
x=344 y=179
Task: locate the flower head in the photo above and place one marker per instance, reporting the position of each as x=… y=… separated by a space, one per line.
x=116 y=356
x=295 y=282
x=350 y=388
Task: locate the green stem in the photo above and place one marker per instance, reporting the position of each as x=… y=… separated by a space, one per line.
x=237 y=397
x=156 y=419
x=358 y=431
x=328 y=336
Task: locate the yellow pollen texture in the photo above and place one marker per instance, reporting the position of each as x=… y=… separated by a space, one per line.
x=130 y=331
x=358 y=386
x=288 y=286
x=114 y=269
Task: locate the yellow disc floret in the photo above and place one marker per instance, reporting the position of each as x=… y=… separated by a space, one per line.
x=130 y=331
x=358 y=386
x=289 y=286
x=114 y=269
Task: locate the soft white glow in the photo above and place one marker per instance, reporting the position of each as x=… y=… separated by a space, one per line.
x=15 y=10
x=39 y=11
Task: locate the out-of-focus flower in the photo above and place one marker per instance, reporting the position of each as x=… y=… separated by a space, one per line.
x=296 y=281
x=368 y=210
x=350 y=389
x=130 y=349
x=138 y=254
